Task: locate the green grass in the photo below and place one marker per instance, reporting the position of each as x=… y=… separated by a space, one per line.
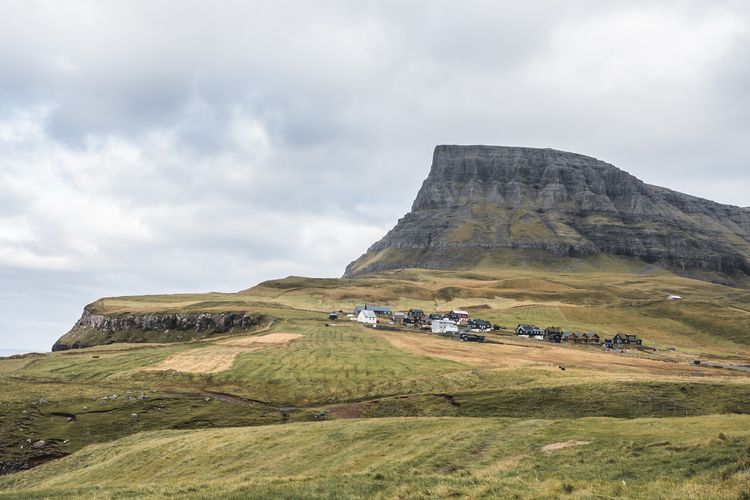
x=412 y=458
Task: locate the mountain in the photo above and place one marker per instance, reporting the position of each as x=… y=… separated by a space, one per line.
x=484 y=203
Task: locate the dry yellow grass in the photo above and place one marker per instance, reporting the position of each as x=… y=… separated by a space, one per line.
x=563 y=444
x=271 y=338
x=539 y=354
x=219 y=356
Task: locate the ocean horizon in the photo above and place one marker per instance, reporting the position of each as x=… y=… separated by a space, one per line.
x=10 y=352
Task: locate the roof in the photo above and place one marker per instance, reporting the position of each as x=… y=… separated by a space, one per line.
x=529 y=327
x=456 y=311
x=368 y=307
x=366 y=313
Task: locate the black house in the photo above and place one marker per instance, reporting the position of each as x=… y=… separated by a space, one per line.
x=626 y=339
x=529 y=331
x=416 y=314
x=480 y=324
x=553 y=334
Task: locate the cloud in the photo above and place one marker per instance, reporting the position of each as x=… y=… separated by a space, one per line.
x=162 y=146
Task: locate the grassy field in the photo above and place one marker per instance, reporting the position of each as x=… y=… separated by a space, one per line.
x=413 y=458
x=270 y=412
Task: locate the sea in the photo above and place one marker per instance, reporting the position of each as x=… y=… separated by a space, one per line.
x=10 y=352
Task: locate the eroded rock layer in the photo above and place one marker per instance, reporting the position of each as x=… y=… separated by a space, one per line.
x=480 y=199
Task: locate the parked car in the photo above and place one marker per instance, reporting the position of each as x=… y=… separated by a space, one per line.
x=471 y=337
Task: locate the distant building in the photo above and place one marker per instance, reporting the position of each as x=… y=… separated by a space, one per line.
x=626 y=339
x=399 y=317
x=528 y=331
x=416 y=314
x=333 y=316
x=444 y=326
x=379 y=310
x=553 y=334
x=570 y=337
x=367 y=317
x=674 y=297
x=479 y=325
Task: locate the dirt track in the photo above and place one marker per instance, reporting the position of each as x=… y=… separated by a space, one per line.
x=220 y=356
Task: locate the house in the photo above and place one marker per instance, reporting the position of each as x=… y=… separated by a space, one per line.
x=416 y=314
x=594 y=339
x=435 y=316
x=479 y=325
x=379 y=310
x=444 y=326
x=399 y=317
x=529 y=331
x=367 y=317
x=333 y=316
x=451 y=316
x=553 y=334
x=460 y=314
x=570 y=337
x=626 y=339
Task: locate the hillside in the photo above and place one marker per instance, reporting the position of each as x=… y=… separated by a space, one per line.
x=491 y=204
x=412 y=458
x=259 y=394
x=303 y=380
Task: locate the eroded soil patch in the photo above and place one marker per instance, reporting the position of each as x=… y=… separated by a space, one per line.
x=220 y=356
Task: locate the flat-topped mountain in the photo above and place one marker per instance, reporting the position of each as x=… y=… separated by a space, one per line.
x=480 y=201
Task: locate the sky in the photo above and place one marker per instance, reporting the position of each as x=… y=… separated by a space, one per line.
x=186 y=146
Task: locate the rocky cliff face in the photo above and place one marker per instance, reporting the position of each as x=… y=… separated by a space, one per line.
x=478 y=199
x=97 y=329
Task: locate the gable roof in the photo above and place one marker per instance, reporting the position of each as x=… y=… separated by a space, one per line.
x=366 y=313
x=368 y=307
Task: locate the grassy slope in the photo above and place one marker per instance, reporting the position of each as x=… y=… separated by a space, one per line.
x=408 y=458
x=351 y=371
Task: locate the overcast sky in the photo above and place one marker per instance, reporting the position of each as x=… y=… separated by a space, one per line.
x=206 y=146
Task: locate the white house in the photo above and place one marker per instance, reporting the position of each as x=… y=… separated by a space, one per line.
x=367 y=317
x=444 y=326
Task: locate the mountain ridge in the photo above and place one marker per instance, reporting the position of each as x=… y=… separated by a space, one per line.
x=479 y=199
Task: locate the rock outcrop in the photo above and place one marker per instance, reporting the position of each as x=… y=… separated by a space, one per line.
x=96 y=329
x=480 y=199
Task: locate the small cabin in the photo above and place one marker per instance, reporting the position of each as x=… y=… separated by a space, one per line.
x=570 y=337
x=399 y=317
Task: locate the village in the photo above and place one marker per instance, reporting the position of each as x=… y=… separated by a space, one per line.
x=459 y=325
